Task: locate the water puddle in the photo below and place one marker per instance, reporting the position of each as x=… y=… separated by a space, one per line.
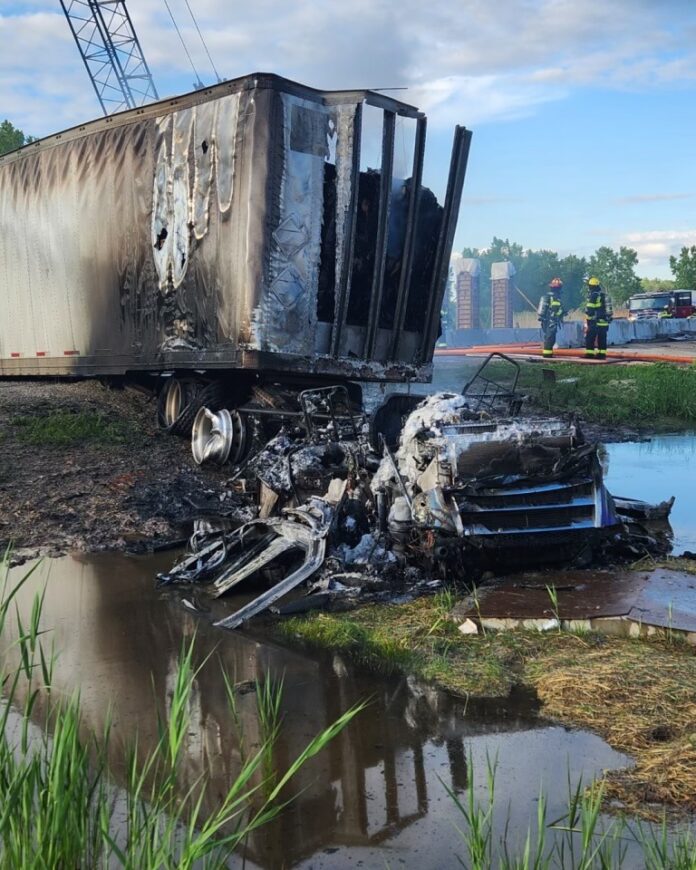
x=377 y=795
x=654 y=471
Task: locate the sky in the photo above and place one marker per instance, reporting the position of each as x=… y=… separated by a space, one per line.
x=581 y=110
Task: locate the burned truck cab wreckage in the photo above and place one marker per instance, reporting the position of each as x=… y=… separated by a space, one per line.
x=423 y=490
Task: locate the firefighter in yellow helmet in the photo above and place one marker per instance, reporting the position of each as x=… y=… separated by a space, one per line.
x=550 y=314
x=598 y=315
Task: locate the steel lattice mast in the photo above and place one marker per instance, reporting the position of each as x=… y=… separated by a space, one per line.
x=111 y=52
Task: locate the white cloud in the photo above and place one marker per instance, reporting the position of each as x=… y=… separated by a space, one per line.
x=470 y=62
x=640 y=198
x=654 y=247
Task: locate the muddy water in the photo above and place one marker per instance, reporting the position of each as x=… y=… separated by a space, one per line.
x=654 y=471
x=376 y=796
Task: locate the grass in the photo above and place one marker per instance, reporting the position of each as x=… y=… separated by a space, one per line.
x=653 y=396
x=581 y=839
x=65 y=429
x=641 y=697
x=639 y=694
x=61 y=809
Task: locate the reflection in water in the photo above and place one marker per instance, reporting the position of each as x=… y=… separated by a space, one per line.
x=376 y=794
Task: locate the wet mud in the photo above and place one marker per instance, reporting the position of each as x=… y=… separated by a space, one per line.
x=138 y=490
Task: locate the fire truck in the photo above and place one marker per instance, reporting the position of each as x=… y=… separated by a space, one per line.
x=670 y=303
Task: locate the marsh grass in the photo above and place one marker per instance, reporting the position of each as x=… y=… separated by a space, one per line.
x=65 y=428
x=656 y=396
x=582 y=838
x=552 y=592
x=59 y=806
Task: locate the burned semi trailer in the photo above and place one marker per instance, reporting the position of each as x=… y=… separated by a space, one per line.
x=232 y=233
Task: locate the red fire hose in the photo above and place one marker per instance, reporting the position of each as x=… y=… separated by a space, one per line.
x=575 y=353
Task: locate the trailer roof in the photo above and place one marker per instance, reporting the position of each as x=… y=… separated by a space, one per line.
x=193 y=98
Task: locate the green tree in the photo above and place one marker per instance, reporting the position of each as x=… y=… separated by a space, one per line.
x=650 y=285
x=572 y=270
x=616 y=272
x=684 y=268
x=534 y=271
x=11 y=137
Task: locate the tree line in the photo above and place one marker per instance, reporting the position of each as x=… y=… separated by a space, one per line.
x=616 y=269
x=12 y=137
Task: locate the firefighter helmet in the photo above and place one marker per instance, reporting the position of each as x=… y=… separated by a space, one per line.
x=593 y=282
x=555 y=283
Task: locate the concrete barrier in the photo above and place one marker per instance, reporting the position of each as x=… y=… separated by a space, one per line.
x=650 y=329
x=571 y=333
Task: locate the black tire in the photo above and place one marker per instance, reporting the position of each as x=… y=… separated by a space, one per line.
x=197 y=395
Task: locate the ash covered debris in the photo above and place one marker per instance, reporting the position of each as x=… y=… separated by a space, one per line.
x=355 y=508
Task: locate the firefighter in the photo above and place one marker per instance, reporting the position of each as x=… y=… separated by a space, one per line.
x=598 y=315
x=550 y=313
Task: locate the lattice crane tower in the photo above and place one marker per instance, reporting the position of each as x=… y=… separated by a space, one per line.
x=111 y=52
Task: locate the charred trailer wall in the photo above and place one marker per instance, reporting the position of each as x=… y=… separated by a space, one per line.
x=226 y=229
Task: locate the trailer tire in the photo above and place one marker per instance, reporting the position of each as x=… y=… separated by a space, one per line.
x=190 y=396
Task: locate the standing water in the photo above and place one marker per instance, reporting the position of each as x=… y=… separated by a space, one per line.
x=654 y=471
x=376 y=795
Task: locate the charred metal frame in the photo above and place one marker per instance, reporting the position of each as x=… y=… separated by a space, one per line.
x=327 y=397
x=409 y=246
x=385 y=186
x=494 y=393
x=386 y=177
x=455 y=182
x=343 y=289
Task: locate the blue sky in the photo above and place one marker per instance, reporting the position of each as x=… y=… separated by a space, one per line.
x=582 y=110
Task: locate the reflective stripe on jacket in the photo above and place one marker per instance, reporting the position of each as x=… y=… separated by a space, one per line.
x=550 y=309
x=599 y=308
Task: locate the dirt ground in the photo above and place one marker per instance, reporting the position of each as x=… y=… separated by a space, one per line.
x=136 y=494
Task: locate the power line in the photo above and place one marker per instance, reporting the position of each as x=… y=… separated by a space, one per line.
x=193 y=18
x=198 y=83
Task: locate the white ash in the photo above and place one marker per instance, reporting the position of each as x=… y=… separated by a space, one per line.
x=368 y=551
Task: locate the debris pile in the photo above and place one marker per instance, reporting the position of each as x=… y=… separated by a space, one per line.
x=359 y=508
